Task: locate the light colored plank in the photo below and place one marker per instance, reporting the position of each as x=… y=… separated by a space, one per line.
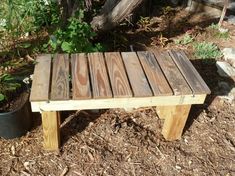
x=99 y=78
x=106 y=103
x=80 y=77
x=163 y=111
x=41 y=78
x=154 y=74
x=118 y=78
x=51 y=130
x=60 y=77
x=175 y=119
x=172 y=73
x=137 y=78
x=191 y=75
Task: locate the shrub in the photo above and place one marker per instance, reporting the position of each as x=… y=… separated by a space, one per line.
x=207 y=50
x=75 y=37
x=21 y=18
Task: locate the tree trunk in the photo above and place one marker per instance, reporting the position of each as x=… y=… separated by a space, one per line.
x=114 y=12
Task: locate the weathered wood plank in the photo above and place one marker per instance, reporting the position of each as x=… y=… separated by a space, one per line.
x=175 y=119
x=80 y=77
x=51 y=130
x=60 y=77
x=173 y=75
x=191 y=75
x=41 y=79
x=137 y=78
x=154 y=74
x=117 y=75
x=99 y=78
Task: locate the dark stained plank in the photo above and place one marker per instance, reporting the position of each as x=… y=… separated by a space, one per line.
x=99 y=78
x=154 y=74
x=172 y=73
x=190 y=73
x=80 y=77
x=60 y=77
x=137 y=78
x=117 y=75
x=41 y=79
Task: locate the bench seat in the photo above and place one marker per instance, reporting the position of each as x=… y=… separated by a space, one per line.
x=82 y=81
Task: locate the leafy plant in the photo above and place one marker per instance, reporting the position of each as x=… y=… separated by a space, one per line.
x=21 y=18
x=8 y=85
x=186 y=39
x=214 y=26
x=218 y=32
x=75 y=37
x=207 y=50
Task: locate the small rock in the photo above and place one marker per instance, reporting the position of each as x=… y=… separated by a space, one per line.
x=231 y=19
x=229 y=94
x=225 y=69
x=223 y=30
x=229 y=52
x=178 y=167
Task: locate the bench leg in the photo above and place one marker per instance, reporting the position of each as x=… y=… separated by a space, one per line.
x=175 y=119
x=51 y=130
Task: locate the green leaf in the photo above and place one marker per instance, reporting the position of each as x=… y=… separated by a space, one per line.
x=25 y=45
x=66 y=47
x=2 y=97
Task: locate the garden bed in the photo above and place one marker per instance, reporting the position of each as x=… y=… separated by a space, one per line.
x=114 y=142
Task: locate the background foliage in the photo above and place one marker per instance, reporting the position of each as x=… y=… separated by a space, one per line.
x=24 y=20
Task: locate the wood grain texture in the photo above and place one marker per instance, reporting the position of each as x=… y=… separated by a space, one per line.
x=172 y=73
x=154 y=74
x=41 y=79
x=51 y=130
x=175 y=119
x=137 y=78
x=60 y=77
x=117 y=75
x=99 y=78
x=106 y=103
x=80 y=77
x=191 y=75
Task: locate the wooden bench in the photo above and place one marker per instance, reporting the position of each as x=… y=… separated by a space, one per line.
x=166 y=80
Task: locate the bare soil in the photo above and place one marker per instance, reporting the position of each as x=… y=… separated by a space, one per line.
x=115 y=142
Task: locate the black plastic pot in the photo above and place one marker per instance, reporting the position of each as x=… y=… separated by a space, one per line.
x=16 y=123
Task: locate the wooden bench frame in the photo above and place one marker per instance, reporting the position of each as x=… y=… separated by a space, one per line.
x=173 y=108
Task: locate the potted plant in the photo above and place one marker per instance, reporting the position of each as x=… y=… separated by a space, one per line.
x=15 y=112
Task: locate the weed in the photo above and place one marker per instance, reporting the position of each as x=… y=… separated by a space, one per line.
x=214 y=26
x=186 y=39
x=207 y=50
x=22 y=18
x=75 y=37
x=218 y=32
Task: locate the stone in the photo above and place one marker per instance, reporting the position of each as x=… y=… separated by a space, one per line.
x=226 y=91
x=229 y=55
x=231 y=19
x=230 y=96
x=223 y=88
x=225 y=69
